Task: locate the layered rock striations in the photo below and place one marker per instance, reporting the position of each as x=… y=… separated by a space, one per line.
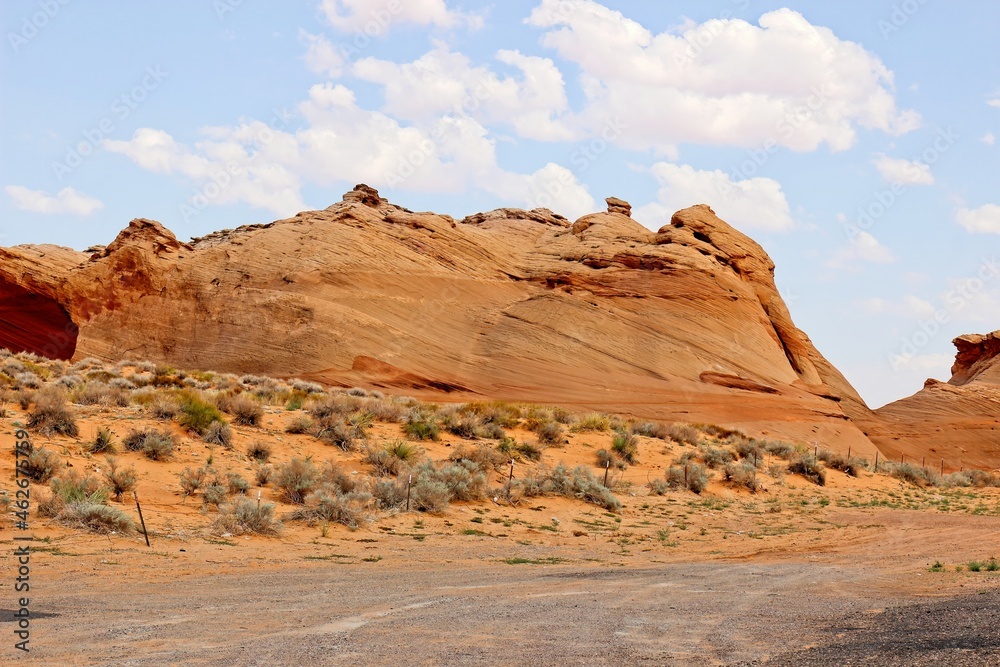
x=684 y=323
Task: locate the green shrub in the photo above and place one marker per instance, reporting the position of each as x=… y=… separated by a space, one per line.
x=103 y=442
x=581 y=484
x=197 y=414
x=595 y=421
x=715 y=457
x=779 y=448
x=691 y=476
x=421 y=426
x=851 y=465
x=913 y=474
x=389 y=494
x=606 y=459
x=215 y=492
x=626 y=446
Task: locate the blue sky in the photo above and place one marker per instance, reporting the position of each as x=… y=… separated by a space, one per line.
x=856 y=141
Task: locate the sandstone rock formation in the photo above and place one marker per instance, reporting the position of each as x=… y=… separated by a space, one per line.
x=956 y=421
x=684 y=323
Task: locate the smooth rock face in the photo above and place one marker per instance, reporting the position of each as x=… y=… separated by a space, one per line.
x=682 y=324
x=956 y=421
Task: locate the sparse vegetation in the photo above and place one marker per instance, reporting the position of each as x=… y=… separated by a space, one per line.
x=103 y=442
x=51 y=415
x=809 y=467
x=296 y=479
x=246 y=517
x=197 y=414
x=259 y=451
x=121 y=480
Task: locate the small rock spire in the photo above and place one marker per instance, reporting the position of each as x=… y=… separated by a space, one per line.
x=616 y=205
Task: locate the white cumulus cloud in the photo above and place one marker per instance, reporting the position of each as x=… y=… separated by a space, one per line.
x=66 y=200
x=321 y=56
x=982 y=220
x=722 y=82
x=751 y=204
x=375 y=17
x=903 y=171
x=863 y=247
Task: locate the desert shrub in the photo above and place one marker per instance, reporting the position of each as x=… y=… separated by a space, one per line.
x=913 y=474
x=852 y=465
x=299 y=425
x=779 y=448
x=595 y=421
x=79 y=501
x=715 y=457
x=25 y=398
x=777 y=471
x=683 y=434
x=429 y=494
x=338 y=433
x=483 y=457
x=164 y=407
x=244 y=516
x=530 y=451
x=747 y=448
x=982 y=478
x=497 y=413
x=103 y=442
x=263 y=474
x=388 y=494
x=219 y=433
x=389 y=459
x=386 y=410
x=649 y=430
x=244 y=409
x=70 y=381
x=549 y=433
x=121 y=480
x=197 y=414
x=259 y=451
x=306 y=387
x=464 y=426
x=156 y=445
x=96 y=392
x=121 y=384
x=192 y=480
x=333 y=407
x=691 y=476
x=492 y=432
x=237 y=484
x=581 y=484
x=50 y=414
x=611 y=459
x=809 y=467
x=40 y=465
x=214 y=492
x=464 y=479
x=626 y=446
x=330 y=505
x=296 y=479
x=742 y=474
x=27 y=381
x=421 y=426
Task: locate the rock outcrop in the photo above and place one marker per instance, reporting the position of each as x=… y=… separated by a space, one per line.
x=684 y=324
x=957 y=422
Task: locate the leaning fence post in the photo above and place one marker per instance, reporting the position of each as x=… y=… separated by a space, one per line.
x=607 y=469
x=141 y=520
x=409 y=481
x=876 y=460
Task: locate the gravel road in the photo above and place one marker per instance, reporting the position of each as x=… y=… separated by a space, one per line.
x=719 y=613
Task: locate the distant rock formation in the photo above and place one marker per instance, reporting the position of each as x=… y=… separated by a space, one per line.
x=601 y=313
x=957 y=422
